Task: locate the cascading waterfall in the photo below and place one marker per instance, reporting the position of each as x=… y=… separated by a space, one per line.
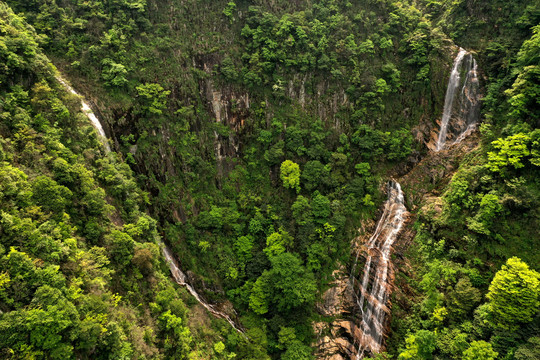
x=372 y=295
x=89 y=113
x=180 y=279
x=177 y=274
x=461 y=108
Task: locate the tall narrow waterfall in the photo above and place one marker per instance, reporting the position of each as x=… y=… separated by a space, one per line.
x=89 y=113
x=372 y=293
x=461 y=103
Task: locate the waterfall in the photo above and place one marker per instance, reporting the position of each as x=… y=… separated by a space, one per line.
x=461 y=108
x=180 y=279
x=89 y=113
x=177 y=274
x=372 y=295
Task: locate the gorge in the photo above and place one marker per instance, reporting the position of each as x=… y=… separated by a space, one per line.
x=177 y=274
x=263 y=180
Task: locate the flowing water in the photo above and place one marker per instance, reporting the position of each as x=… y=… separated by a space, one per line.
x=461 y=104
x=177 y=274
x=180 y=279
x=373 y=291
x=89 y=113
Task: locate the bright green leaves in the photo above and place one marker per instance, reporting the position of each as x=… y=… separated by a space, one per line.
x=420 y=346
x=510 y=152
x=114 y=73
x=138 y=5
x=243 y=246
x=363 y=169
x=258 y=300
x=178 y=335
x=286 y=285
x=480 y=350
x=229 y=11
x=290 y=175
x=277 y=243
x=514 y=295
x=154 y=98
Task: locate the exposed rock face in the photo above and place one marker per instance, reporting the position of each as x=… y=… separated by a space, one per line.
x=319 y=96
x=336 y=339
x=359 y=302
x=462 y=103
x=229 y=106
x=373 y=284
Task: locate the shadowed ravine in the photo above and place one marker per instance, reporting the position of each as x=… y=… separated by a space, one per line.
x=371 y=294
x=177 y=274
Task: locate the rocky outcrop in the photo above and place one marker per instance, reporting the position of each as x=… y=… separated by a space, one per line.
x=336 y=339
x=359 y=302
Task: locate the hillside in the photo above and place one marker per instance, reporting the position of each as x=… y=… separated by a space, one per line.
x=255 y=139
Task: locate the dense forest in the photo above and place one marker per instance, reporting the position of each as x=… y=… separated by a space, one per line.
x=255 y=141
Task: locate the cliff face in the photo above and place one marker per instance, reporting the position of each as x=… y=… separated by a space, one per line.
x=262 y=132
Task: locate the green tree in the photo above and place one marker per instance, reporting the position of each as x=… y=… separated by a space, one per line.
x=420 y=346
x=258 y=299
x=51 y=196
x=155 y=98
x=529 y=350
x=290 y=175
x=297 y=351
x=178 y=336
x=287 y=285
x=321 y=207
x=122 y=247
x=301 y=210
x=114 y=73
x=14 y=187
x=314 y=174
x=524 y=95
x=229 y=10
x=363 y=169
x=511 y=151
x=277 y=243
x=480 y=350
x=294 y=286
x=464 y=297
x=514 y=294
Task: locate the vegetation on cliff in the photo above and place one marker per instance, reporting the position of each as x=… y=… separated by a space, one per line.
x=253 y=137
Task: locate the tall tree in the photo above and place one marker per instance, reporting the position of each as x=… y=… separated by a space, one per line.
x=514 y=294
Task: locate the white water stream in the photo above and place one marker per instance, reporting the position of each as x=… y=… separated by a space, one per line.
x=453 y=83
x=180 y=279
x=372 y=296
x=89 y=113
x=461 y=108
x=177 y=274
